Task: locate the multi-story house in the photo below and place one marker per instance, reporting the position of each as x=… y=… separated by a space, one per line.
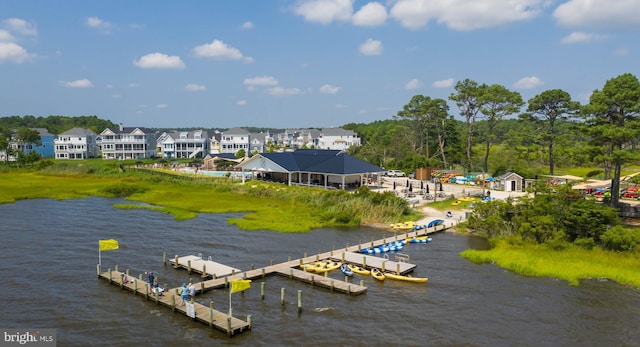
x=307 y=138
x=214 y=143
x=257 y=143
x=76 y=143
x=183 y=144
x=127 y=143
x=337 y=138
x=45 y=148
x=235 y=139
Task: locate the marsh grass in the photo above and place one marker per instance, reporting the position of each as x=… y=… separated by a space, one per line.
x=570 y=263
x=268 y=206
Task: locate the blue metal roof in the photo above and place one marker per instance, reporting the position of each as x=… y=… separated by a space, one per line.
x=322 y=161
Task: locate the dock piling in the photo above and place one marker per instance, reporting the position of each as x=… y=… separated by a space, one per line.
x=262 y=291
x=299 y=301
x=282 y=296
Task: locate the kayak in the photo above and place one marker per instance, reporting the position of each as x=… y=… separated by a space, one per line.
x=405 y=278
x=420 y=239
x=377 y=274
x=346 y=270
x=359 y=269
x=327 y=266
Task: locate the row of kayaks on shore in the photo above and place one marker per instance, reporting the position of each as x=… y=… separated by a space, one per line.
x=414 y=226
x=395 y=245
x=351 y=269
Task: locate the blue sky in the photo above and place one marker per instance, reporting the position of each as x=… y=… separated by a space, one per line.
x=298 y=64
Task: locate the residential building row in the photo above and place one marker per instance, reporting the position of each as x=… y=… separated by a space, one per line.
x=140 y=143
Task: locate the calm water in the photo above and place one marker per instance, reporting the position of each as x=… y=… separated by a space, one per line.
x=50 y=251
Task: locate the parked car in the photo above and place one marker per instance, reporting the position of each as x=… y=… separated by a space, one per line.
x=395 y=173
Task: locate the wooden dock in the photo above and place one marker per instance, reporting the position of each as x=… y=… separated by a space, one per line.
x=216 y=275
x=215 y=319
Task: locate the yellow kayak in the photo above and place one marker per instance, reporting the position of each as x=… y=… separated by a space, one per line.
x=311 y=267
x=359 y=269
x=405 y=278
x=403 y=226
x=377 y=274
x=328 y=266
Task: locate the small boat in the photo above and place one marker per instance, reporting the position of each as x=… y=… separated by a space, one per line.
x=359 y=269
x=311 y=267
x=420 y=239
x=389 y=246
x=377 y=274
x=346 y=270
x=435 y=222
x=405 y=278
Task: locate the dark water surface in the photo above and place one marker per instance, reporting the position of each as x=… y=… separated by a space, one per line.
x=50 y=251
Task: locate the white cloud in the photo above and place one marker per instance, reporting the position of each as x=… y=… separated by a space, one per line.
x=192 y=87
x=413 y=84
x=241 y=102
x=528 y=83
x=83 y=83
x=328 y=89
x=464 y=14
x=371 y=47
x=280 y=91
x=444 y=83
x=247 y=25
x=6 y=36
x=371 y=14
x=598 y=13
x=159 y=61
x=581 y=37
x=254 y=82
x=20 y=26
x=97 y=23
x=162 y=106
x=325 y=11
x=11 y=52
x=220 y=50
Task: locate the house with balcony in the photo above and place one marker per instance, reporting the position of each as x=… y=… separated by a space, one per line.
x=235 y=139
x=183 y=144
x=45 y=149
x=76 y=143
x=338 y=139
x=127 y=143
x=214 y=142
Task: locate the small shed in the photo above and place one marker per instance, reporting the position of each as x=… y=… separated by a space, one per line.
x=512 y=182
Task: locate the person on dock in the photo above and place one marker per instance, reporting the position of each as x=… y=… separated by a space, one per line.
x=151 y=279
x=192 y=292
x=185 y=294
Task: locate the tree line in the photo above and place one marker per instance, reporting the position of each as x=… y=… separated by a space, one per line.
x=495 y=136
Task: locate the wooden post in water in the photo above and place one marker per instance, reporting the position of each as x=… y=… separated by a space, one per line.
x=364 y=261
x=110 y=276
x=98 y=269
x=289 y=258
x=299 y=301
x=211 y=313
x=262 y=291
x=372 y=242
x=121 y=280
x=204 y=270
x=398 y=268
x=164 y=258
x=361 y=283
x=332 y=285
x=146 y=291
x=201 y=287
x=175 y=262
x=347 y=248
x=290 y=274
x=305 y=255
x=282 y=296
x=189 y=267
x=157 y=294
x=229 y=324
x=343 y=257
x=117 y=268
x=252 y=267
x=312 y=279
x=249 y=320
x=349 y=289
x=226 y=282
x=135 y=286
x=173 y=303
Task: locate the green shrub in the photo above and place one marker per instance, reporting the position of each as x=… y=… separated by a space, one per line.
x=619 y=238
x=122 y=190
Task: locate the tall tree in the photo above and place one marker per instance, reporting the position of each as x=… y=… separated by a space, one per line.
x=28 y=137
x=414 y=114
x=437 y=112
x=544 y=110
x=496 y=103
x=468 y=99
x=612 y=119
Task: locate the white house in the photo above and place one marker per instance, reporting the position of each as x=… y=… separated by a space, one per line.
x=512 y=182
x=183 y=144
x=127 y=143
x=235 y=139
x=76 y=143
x=337 y=138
